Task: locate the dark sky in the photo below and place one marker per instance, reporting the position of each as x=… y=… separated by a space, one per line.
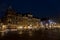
x=39 y=8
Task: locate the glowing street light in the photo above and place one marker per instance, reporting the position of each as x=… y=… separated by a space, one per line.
x=25 y=27
x=3 y=26
x=20 y=27
x=29 y=27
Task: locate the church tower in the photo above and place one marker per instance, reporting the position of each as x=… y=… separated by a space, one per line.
x=10 y=15
x=10 y=11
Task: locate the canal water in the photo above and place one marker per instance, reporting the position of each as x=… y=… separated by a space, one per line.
x=53 y=34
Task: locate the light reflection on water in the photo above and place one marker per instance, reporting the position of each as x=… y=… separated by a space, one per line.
x=20 y=33
x=46 y=34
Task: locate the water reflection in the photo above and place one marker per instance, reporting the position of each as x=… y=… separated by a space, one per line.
x=2 y=33
x=20 y=32
x=30 y=33
x=47 y=34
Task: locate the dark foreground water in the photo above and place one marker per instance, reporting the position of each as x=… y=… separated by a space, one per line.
x=53 y=34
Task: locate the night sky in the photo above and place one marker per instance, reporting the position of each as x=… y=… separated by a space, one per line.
x=39 y=8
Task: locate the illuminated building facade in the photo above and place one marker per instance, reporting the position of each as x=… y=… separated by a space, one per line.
x=19 y=22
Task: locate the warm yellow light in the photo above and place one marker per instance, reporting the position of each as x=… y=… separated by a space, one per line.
x=29 y=27
x=50 y=26
x=20 y=27
x=3 y=26
x=25 y=27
